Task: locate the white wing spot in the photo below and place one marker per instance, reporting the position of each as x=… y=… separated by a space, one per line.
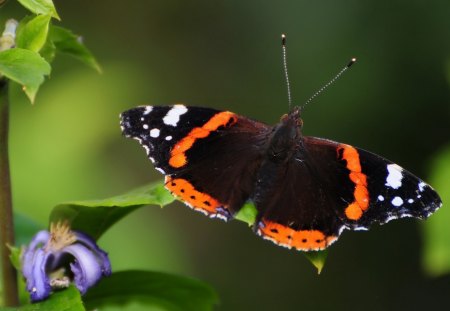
x=147 y=149
x=397 y=201
x=410 y=201
x=168 y=138
x=173 y=115
x=145 y=126
x=422 y=186
x=152 y=159
x=395 y=176
x=142 y=118
x=380 y=198
x=154 y=133
x=147 y=110
x=160 y=170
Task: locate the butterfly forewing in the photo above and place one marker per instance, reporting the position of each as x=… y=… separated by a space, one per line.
x=212 y=157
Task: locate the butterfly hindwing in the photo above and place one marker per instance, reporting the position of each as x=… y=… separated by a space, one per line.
x=303 y=209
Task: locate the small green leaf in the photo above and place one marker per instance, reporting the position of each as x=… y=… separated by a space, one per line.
x=24 y=67
x=436 y=252
x=14 y=257
x=48 y=51
x=247 y=213
x=45 y=7
x=317 y=258
x=32 y=34
x=155 y=289
x=68 y=299
x=71 y=44
x=96 y=216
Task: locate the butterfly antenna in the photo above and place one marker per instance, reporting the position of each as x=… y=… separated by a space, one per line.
x=352 y=61
x=288 y=84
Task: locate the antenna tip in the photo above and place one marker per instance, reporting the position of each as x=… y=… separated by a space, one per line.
x=352 y=61
x=283 y=39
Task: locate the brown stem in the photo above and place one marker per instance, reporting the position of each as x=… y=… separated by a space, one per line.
x=9 y=275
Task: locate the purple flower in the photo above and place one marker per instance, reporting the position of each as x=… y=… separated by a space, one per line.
x=56 y=258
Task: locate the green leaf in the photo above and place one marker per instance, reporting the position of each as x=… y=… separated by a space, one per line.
x=14 y=257
x=68 y=299
x=436 y=252
x=248 y=215
x=48 y=51
x=32 y=35
x=71 y=44
x=166 y=291
x=96 y=216
x=24 y=67
x=45 y=7
x=317 y=258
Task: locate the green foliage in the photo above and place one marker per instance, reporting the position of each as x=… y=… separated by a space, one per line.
x=436 y=254
x=32 y=34
x=96 y=216
x=36 y=34
x=45 y=7
x=169 y=292
x=25 y=67
x=67 y=42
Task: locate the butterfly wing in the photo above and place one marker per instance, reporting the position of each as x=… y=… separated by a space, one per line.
x=217 y=176
x=328 y=187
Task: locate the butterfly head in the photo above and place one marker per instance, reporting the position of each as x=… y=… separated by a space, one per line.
x=293 y=118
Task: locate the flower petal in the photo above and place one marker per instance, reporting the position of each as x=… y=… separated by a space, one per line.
x=38 y=283
x=27 y=257
x=101 y=254
x=86 y=268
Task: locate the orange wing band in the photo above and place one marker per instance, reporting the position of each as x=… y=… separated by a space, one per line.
x=355 y=210
x=178 y=153
x=195 y=199
x=302 y=240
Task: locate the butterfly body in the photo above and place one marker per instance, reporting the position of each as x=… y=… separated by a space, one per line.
x=306 y=190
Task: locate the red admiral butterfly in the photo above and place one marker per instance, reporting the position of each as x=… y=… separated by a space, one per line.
x=307 y=190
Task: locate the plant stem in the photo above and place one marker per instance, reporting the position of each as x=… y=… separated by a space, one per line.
x=9 y=276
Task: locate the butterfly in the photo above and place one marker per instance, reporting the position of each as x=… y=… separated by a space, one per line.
x=306 y=190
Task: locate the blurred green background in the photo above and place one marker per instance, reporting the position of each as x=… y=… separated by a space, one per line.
x=226 y=54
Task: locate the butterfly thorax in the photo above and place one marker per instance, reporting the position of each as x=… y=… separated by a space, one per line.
x=285 y=136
